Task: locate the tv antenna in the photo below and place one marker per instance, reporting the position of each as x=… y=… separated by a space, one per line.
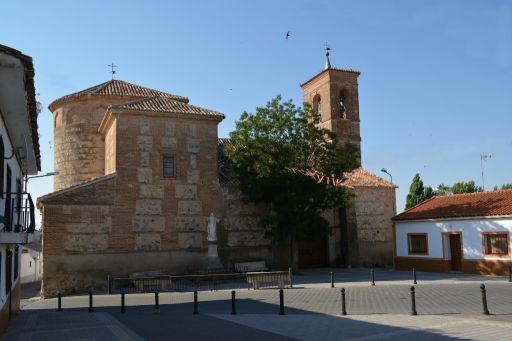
x=484 y=157
x=113 y=72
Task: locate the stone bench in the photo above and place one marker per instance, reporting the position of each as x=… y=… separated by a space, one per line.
x=251 y=266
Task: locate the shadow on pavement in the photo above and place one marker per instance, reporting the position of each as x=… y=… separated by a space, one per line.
x=255 y=320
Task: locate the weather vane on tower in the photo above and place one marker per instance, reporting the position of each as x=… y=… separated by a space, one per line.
x=327 y=61
x=113 y=72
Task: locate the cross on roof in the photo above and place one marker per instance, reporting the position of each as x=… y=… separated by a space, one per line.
x=113 y=72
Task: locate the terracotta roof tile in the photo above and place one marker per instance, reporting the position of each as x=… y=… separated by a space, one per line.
x=481 y=204
x=360 y=177
x=166 y=105
x=118 y=88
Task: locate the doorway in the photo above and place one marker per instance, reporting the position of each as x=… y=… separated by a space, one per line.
x=313 y=253
x=456 y=252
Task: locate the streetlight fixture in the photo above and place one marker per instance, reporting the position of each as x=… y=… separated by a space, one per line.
x=384 y=170
x=38 y=176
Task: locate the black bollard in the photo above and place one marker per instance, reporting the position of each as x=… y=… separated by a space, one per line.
x=484 y=300
x=195 y=303
x=414 y=276
x=373 y=277
x=343 y=307
x=332 y=279
x=233 y=302
x=281 y=302
x=122 y=303
x=510 y=273
x=290 y=276
x=59 y=302
x=413 y=302
x=90 y=303
x=157 y=305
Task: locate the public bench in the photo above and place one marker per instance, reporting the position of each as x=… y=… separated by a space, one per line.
x=251 y=266
x=259 y=280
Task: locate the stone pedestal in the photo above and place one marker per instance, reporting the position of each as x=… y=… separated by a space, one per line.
x=213 y=261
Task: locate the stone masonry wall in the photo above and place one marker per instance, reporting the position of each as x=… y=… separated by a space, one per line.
x=135 y=220
x=374 y=210
x=241 y=236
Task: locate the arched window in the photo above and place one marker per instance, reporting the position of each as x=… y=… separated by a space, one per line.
x=317 y=105
x=343 y=107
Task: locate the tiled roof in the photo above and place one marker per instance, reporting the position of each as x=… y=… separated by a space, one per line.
x=117 y=87
x=329 y=69
x=480 y=204
x=360 y=177
x=166 y=105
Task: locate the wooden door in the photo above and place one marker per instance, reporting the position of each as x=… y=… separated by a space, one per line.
x=313 y=253
x=456 y=251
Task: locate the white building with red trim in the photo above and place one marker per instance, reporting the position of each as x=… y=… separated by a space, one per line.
x=469 y=233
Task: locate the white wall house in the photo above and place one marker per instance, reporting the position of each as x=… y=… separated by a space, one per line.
x=19 y=157
x=467 y=233
x=30 y=261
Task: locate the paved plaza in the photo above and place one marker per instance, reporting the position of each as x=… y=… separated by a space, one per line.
x=449 y=307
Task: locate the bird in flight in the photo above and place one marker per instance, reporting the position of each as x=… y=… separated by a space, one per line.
x=287 y=35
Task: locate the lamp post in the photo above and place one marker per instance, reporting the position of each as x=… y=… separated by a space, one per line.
x=384 y=170
x=38 y=176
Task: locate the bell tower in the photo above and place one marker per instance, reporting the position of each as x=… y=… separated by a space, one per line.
x=333 y=94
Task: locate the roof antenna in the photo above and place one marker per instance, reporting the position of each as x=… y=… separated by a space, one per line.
x=113 y=72
x=327 y=61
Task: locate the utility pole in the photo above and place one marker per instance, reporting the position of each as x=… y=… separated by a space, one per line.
x=484 y=157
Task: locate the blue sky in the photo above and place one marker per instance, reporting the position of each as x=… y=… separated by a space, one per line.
x=435 y=85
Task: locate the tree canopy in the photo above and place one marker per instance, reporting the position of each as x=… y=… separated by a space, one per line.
x=275 y=152
x=418 y=193
x=504 y=186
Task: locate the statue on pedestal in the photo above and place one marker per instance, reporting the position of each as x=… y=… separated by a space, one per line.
x=212 y=228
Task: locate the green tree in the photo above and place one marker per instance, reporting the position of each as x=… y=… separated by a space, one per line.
x=465 y=187
x=416 y=192
x=443 y=189
x=504 y=186
x=276 y=152
x=428 y=193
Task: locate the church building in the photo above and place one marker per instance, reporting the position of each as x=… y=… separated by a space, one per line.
x=140 y=171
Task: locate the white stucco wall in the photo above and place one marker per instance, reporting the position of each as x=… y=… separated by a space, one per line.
x=30 y=266
x=470 y=230
x=16 y=174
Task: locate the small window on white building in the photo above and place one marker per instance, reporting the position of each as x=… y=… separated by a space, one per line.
x=495 y=243
x=417 y=244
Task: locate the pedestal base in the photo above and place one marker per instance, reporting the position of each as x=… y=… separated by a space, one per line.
x=213 y=261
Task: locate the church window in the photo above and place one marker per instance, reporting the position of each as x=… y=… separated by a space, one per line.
x=169 y=163
x=317 y=105
x=418 y=244
x=343 y=108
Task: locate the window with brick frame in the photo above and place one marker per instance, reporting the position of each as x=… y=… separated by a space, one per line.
x=169 y=166
x=495 y=243
x=417 y=244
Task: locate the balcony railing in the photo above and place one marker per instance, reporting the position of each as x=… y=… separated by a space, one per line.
x=19 y=213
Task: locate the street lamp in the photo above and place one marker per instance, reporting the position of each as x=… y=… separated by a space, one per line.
x=384 y=170
x=38 y=176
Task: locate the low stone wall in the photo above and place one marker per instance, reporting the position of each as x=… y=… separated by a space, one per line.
x=78 y=273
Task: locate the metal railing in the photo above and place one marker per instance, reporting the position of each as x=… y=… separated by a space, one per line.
x=19 y=213
x=206 y=282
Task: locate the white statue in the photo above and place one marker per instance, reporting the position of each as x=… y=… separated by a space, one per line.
x=212 y=227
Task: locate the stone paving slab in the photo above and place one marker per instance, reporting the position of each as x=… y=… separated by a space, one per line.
x=51 y=326
x=376 y=327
